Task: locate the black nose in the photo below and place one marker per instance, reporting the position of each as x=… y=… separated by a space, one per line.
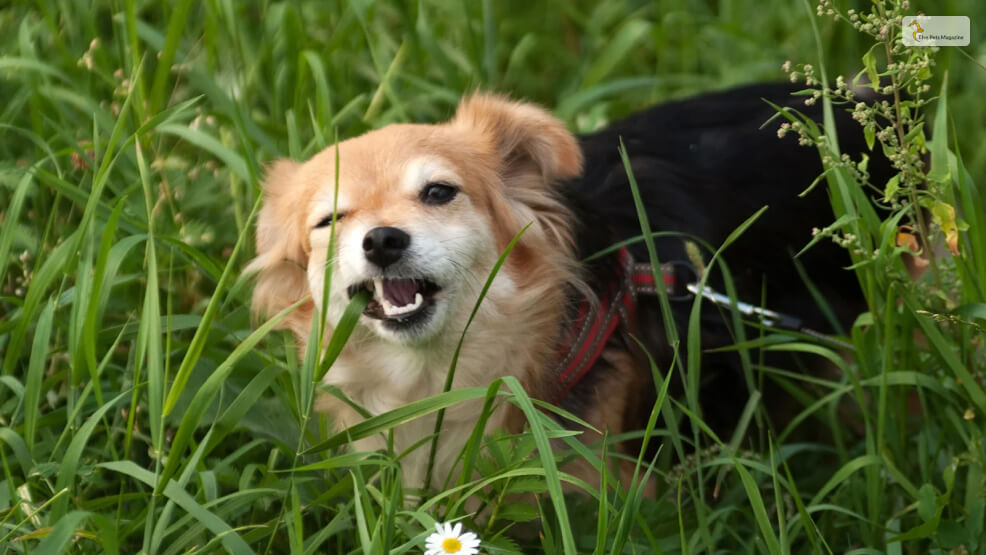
x=384 y=245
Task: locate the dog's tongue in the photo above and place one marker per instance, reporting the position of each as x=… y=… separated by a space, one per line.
x=400 y=292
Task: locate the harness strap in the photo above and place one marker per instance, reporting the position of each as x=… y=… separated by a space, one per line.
x=595 y=324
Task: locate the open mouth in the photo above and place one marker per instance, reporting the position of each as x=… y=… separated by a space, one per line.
x=397 y=301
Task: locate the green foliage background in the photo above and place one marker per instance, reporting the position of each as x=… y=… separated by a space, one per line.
x=142 y=409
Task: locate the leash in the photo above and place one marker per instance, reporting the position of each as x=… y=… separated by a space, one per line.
x=768 y=318
x=594 y=324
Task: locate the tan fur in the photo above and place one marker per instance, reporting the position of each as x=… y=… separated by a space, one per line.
x=506 y=157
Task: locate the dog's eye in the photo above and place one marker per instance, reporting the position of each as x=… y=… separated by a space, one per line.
x=327 y=221
x=438 y=193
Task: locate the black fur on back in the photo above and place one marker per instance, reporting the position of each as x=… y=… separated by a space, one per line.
x=704 y=165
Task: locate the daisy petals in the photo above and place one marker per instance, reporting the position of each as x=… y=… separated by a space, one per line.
x=466 y=542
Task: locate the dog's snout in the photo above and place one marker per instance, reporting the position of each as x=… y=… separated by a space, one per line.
x=385 y=245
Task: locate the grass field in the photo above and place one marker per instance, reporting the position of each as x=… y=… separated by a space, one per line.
x=143 y=410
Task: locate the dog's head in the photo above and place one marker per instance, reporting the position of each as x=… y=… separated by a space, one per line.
x=421 y=215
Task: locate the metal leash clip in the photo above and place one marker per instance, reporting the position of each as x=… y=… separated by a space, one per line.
x=767 y=317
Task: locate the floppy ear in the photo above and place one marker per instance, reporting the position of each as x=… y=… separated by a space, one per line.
x=527 y=138
x=281 y=242
x=533 y=152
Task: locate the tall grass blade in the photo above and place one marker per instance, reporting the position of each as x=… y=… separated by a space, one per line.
x=202 y=333
x=230 y=538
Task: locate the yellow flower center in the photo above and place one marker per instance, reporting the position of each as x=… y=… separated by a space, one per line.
x=452 y=545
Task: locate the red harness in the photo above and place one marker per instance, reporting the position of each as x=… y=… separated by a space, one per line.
x=593 y=325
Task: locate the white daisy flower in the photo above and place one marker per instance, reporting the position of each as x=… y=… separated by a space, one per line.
x=450 y=539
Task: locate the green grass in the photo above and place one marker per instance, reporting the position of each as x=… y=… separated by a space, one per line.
x=141 y=408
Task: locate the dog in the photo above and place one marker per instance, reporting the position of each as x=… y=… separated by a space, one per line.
x=423 y=212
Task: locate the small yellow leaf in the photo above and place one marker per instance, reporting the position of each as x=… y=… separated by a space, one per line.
x=944 y=215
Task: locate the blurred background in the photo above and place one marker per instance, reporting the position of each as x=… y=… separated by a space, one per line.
x=127 y=119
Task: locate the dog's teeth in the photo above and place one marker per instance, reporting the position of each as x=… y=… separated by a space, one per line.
x=376 y=285
x=391 y=310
